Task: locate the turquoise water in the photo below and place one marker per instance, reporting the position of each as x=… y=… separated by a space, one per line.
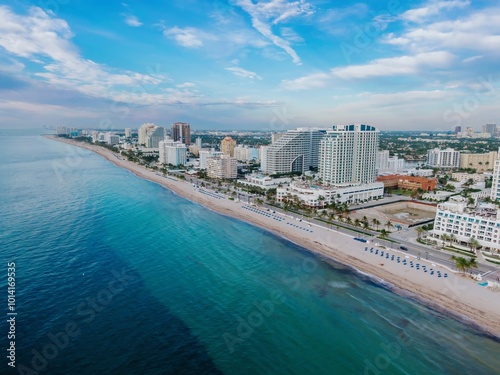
x=200 y=293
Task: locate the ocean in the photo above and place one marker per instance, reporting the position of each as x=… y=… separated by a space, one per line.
x=118 y=275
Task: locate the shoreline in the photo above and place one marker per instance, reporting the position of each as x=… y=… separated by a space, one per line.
x=460 y=296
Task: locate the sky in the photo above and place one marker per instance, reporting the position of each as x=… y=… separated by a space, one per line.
x=249 y=64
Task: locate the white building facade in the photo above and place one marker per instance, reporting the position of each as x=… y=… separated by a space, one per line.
x=295 y=151
x=348 y=154
x=319 y=196
x=447 y=158
x=481 y=223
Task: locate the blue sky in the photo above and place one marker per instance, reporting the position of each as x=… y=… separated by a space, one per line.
x=249 y=64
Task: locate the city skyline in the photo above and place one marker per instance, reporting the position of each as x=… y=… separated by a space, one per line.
x=273 y=65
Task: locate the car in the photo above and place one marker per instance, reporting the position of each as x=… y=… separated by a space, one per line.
x=403 y=248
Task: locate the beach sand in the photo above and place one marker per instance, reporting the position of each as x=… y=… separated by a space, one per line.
x=456 y=293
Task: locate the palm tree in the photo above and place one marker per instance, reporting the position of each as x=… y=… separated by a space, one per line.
x=384 y=233
x=389 y=225
x=460 y=263
x=444 y=238
x=451 y=238
x=366 y=225
x=474 y=245
x=376 y=222
x=357 y=222
x=420 y=230
x=348 y=220
x=471 y=263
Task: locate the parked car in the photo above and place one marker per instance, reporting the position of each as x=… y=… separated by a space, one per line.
x=403 y=248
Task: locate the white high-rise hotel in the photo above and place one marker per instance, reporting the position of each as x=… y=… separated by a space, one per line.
x=348 y=154
x=295 y=151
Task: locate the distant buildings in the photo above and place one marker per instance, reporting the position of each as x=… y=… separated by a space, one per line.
x=150 y=135
x=222 y=167
x=479 y=162
x=295 y=151
x=181 y=132
x=490 y=129
x=448 y=158
x=128 y=132
x=245 y=153
x=205 y=155
x=227 y=146
x=347 y=154
x=386 y=163
x=111 y=139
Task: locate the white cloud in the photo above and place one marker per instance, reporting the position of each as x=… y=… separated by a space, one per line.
x=479 y=31
x=240 y=72
x=189 y=37
x=433 y=8
x=132 y=21
x=45 y=40
x=185 y=85
x=312 y=81
x=403 y=65
x=265 y=14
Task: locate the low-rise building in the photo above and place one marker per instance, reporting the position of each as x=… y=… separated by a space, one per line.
x=456 y=218
x=408 y=182
x=464 y=177
x=317 y=195
x=265 y=182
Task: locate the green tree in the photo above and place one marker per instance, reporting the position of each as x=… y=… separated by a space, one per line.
x=420 y=230
x=474 y=245
x=461 y=263
x=389 y=225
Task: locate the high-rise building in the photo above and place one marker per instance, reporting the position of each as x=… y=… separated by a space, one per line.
x=490 y=129
x=448 y=158
x=295 y=151
x=227 y=146
x=348 y=154
x=223 y=166
x=495 y=182
x=150 y=135
x=143 y=129
x=382 y=160
x=276 y=136
x=128 y=132
x=154 y=136
x=458 y=129
x=205 y=155
x=198 y=142
x=181 y=132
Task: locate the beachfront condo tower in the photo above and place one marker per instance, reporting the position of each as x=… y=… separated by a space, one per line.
x=295 y=151
x=181 y=131
x=227 y=146
x=348 y=154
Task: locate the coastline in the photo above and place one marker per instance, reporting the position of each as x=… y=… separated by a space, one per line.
x=459 y=295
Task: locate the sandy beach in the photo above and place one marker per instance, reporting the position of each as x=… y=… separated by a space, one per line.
x=430 y=283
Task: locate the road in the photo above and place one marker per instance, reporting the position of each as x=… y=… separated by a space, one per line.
x=488 y=271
